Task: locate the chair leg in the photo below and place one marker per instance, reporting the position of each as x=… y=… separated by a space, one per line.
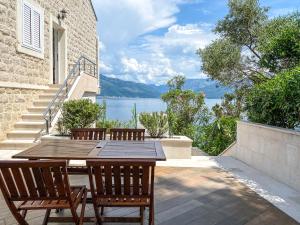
x=102 y=210
x=151 y=214
x=142 y=209
x=97 y=215
x=75 y=216
x=46 y=218
x=83 y=208
x=20 y=219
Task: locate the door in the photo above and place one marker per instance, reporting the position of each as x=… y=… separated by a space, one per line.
x=55 y=57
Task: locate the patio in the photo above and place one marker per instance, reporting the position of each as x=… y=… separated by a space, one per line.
x=192 y=196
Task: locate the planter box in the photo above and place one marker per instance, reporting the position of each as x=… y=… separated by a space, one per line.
x=176 y=147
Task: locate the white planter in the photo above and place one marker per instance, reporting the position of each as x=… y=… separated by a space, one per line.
x=176 y=147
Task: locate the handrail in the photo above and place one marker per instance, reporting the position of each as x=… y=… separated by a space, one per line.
x=54 y=106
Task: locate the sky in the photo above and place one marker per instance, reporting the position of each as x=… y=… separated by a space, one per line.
x=150 y=41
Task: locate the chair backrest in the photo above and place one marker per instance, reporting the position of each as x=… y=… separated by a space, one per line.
x=88 y=134
x=121 y=134
x=121 y=178
x=34 y=180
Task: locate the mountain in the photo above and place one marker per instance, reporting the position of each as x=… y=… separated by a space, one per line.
x=119 y=88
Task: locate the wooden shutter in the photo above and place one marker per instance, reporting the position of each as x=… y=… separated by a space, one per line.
x=27 y=34
x=32 y=27
x=36 y=29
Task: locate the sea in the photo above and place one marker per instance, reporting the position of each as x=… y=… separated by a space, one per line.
x=120 y=108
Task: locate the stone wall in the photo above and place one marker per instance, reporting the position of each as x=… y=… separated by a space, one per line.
x=275 y=151
x=14 y=102
x=19 y=69
x=81 y=39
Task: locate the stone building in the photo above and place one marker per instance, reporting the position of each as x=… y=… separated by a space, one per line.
x=43 y=43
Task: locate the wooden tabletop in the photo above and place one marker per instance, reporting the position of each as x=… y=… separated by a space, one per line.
x=83 y=150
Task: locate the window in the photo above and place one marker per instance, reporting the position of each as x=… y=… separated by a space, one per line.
x=32 y=24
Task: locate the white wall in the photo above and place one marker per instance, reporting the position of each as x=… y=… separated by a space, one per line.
x=273 y=150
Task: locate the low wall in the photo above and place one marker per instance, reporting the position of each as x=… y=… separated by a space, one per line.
x=272 y=150
x=177 y=147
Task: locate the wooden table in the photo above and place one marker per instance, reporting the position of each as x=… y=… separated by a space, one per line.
x=84 y=150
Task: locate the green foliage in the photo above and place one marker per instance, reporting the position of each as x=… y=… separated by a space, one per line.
x=251 y=48
x=243 y=23
x=79 y=113
x=231 y=105
x=218 y=135
x=134 y=117
x=109 y=124
x=279 y=43
x=156 y=123
x=185 y=108
x=222 y=61
x=277 y=101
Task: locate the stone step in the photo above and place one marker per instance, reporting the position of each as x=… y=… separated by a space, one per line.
x=47 y=97
x=29 y=125
x=37 y=109
x=50 y=90
x=33 y=117
x=54 y=85
x=40 y=103
x=23 y=134
x=16 y=144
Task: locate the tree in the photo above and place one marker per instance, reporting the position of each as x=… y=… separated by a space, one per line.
x=186 y=109
x=277 y=101
x=279 y=43
x=251 y=48
x=233 y=59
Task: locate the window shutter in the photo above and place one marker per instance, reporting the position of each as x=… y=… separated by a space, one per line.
x=36 y=27
x=27 y=37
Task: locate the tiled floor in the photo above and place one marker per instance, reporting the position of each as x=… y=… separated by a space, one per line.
x=192 y=196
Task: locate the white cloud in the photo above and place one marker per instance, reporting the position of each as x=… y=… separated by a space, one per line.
x=129 y=53
x=157 y=58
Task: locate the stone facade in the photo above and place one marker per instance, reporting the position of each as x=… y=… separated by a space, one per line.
x=19 y=69
x=14 y=102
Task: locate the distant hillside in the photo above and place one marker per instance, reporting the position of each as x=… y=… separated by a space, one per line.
x=119 y=88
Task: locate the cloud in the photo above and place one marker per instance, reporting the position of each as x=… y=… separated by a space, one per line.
x=155 y=59
x=129 y=49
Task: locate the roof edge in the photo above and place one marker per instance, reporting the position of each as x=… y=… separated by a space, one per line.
x=94 y=10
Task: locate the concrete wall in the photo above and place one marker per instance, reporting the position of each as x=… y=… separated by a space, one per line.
x=272 y=150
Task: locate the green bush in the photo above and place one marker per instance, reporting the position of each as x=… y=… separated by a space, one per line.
x=109 y=124
x=156 y=123
x=277 y=101
x=79 y=114
x=218 y=135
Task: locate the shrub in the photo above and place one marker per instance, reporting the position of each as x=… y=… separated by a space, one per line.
x=79 y=113
x=277 y=101
x=218 y=135
x=109 y=124
x=185 y=108
x=156 y=123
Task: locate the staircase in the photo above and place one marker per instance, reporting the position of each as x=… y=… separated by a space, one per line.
x=39 y=118
x=27 y=131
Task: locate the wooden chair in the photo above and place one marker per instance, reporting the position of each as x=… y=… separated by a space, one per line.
x=40 y=185
x=121 y=134
x=88 y=134
x=85 y=134
x=122 y=183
